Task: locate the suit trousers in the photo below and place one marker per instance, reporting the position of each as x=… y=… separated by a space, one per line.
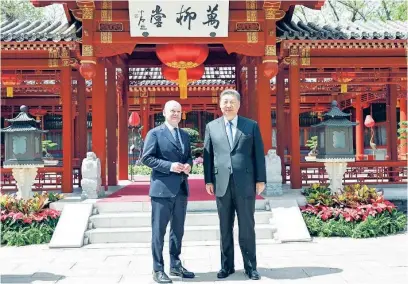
x=227 y=205
x=171 y=209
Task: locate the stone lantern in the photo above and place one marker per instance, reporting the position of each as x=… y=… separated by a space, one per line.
x=23 y=151
x=335 y=144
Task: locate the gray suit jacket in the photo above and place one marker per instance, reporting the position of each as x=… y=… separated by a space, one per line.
x=246 y=157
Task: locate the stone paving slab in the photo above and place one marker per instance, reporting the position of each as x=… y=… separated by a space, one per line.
x=322 y=261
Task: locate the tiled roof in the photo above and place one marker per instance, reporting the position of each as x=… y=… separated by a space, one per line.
x=153 y=77
x=335 y=122
x=21 y=128
x=18 y=30
x=351 y=30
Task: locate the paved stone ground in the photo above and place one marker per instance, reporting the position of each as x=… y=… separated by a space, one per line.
x=326 y=261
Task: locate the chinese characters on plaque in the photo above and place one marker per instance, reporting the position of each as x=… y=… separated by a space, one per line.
x=169 y=18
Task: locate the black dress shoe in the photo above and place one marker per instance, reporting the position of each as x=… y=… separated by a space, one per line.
x=161 y=277
x=181 y=272
x=224 y=273
x=253 y=274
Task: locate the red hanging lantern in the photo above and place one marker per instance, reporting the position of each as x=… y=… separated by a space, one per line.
x=37 y=112
x=88 y=69
x=369 y=121
x=182 y=57
x=134 y=119
x=193 y=74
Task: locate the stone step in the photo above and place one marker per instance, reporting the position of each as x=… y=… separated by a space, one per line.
x=144 y=234
x=192 y=206
x=143 y=219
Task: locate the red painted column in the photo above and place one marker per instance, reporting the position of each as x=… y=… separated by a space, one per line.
x=403 y=117
x=263 y=101
x=82 y=119
x=111 y=124
x=251 y=98
x=145 y=108
x=67 y=134
x=280 y=120
x=123 y=147
x=294 y=91
x=391 y=109
x=99 y=116
x=359 y=129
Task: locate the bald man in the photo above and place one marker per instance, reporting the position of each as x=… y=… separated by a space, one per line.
x=167 y=152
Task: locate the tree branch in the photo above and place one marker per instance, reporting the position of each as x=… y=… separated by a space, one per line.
x=334 y=10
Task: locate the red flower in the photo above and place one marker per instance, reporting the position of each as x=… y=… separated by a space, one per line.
x=27 y=220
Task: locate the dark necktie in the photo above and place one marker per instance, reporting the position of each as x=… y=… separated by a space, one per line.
x=230 y=137
x=176 y=137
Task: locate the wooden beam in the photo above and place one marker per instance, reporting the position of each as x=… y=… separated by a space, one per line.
x=31 y=64
x=357 y=62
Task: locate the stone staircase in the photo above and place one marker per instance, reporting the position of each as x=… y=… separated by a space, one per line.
x=130 y=222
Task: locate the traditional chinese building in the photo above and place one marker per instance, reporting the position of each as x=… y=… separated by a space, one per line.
x=84 y=77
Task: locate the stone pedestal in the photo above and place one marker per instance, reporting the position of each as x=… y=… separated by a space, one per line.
x=273 y=174
x=335 y=168
x=91 y=177
x=25 y=177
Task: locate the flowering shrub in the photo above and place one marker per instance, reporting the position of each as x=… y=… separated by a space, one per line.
x=198 y=161
x=28 y=221
x=355 y=207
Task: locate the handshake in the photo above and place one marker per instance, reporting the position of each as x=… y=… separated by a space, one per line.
x=180 y=168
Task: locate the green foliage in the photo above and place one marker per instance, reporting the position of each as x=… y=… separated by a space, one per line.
x=20 y=9
x=358 y=211
x=140 y=170
x=46 y=145
x=25 y=222
x=197 y=169
x=146 y=171
x=318 y=194
x=312 y=144
x=403 y=132
x=194 y=135
x=381 y=225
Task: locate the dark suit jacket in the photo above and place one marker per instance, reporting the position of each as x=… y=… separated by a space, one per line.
x=246 y=157
x=159 y=152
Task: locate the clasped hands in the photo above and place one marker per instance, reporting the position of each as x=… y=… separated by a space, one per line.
x=260 y=186
x=180 y=168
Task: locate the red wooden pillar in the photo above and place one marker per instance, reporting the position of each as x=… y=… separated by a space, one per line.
x=111 y=124
x=359 y=129
x=67 y=124
x=294 y=91
x=145 y=108
x=99 y=116
x=403 y=117
x=281 y=132
x=82 y=119
x=251 y=98
x=123 y=147
x=391 y=109
x=263 y=92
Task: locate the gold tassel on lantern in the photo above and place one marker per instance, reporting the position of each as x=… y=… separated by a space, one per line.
x=183 y=83
x=343 y=88
x=9 y=92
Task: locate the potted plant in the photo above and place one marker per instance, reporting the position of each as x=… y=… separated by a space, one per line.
x=48 y=158
x=312 y=145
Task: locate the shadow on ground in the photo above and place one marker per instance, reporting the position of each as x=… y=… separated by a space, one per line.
x=25 y=278
x=290 y=273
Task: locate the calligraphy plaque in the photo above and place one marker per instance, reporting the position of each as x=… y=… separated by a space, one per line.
x=178 y=18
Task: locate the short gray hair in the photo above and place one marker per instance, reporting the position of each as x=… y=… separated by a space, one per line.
x=231 y=92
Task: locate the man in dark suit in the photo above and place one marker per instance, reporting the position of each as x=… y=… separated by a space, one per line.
x=234 y=169
x=167 y=152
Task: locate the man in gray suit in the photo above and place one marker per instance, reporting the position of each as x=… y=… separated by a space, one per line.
x=234 y=169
